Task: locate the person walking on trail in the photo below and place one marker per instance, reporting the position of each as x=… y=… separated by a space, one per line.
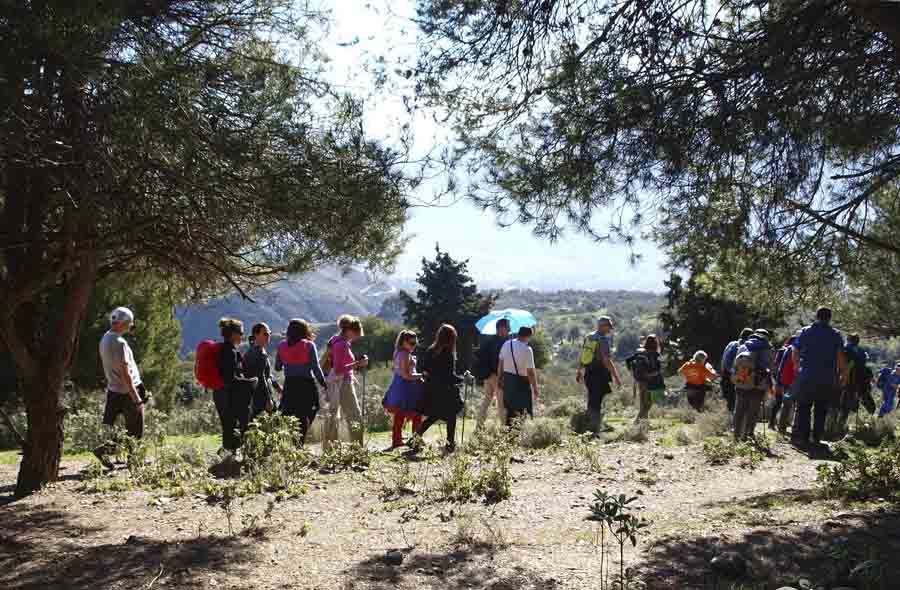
x=404 y=396
x=858 y=388
x=888 y=382
x=303 y=377
x=125 y=392
x=488 y=359
x=596 y=370
x=646 y=368
x=441 y=399
x=785 y=376
x=256 y=364
x=233 y=400
x=697 y=374
x=518 y=377
x=342 y=399
x=751 y=375
x=820 y=355
x=726 y=365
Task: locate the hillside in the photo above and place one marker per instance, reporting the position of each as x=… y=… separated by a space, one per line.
x=318 y=297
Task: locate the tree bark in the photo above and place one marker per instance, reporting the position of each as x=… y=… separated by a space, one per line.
x=44 y=438
x=42 y=392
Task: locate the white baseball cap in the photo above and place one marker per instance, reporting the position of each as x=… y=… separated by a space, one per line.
x=121 y=314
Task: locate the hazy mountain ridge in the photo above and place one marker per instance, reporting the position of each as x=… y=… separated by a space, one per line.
x=318 y=297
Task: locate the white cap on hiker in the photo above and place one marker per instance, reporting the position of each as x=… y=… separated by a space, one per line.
x=121 y=314
x=605 y=320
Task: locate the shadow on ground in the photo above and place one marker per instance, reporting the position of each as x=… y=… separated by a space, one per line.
x=471 y=567
x=824 y=553
x=42 y=549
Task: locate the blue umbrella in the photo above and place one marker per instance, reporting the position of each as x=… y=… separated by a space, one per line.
x=517 y=319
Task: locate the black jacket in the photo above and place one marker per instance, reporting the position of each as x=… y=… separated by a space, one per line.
x=441 y=398
x=231 y=368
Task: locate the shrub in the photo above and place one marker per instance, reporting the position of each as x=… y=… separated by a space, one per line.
x=343 y=455
x=683 y=437
x=637 y=433
x=458 y=484
x=873 y=431
x=719 y=451
x=199 y=417
x=494 y=481
x=541 y=433
x=714 y=422
x=565 y=408
x=273 y=457
x=684 y=413
x=862 y=472
x=582 y=453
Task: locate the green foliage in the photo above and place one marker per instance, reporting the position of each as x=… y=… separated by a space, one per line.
x=273 y=456
x=715 y=421
x=696 y=319
x=194 y=125
x=862 y=472
x=541 y=433
x=615 y=521
x=721 y=451
x=343 y=455
x=663 y=141
x=542 y=349
x=565 y=408
x=873 y=431
x=583 y=454
x=379 y=340
x=446 y=294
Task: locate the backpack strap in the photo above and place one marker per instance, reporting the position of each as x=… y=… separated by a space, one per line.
x=512 y=353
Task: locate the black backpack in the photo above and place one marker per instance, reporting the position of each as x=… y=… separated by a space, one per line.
x=639 y=365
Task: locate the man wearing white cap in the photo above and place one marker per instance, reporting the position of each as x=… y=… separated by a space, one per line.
x=125 y=392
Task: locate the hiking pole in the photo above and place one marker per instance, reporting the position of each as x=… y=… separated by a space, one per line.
x=467 y=384
x=365 y=417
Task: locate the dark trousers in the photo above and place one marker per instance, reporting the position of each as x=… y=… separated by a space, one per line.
x=451 y=427
x=696 y=396
x=728 y=393
x=779 y=401
x=233 y=408
x=121 y=404
x=301 y=400
x=819 y=411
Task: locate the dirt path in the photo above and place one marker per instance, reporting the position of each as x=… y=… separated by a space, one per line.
x=337 y=535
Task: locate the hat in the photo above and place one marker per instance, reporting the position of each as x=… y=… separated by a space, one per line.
x=121 y=314
x=605 y=319
x=761 y=333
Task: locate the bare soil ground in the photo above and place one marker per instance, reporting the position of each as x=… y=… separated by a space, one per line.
x=337 y=535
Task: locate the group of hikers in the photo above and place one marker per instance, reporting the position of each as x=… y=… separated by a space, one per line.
x=813 y=373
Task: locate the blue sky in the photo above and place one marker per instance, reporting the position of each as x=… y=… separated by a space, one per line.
x=497 y=256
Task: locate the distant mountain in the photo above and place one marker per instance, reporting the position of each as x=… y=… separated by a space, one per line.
x=318 y=297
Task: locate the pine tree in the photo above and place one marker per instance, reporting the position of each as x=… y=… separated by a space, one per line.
x=448 y=295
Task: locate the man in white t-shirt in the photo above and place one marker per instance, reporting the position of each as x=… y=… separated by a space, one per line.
x=517 y=376
x=125 y=393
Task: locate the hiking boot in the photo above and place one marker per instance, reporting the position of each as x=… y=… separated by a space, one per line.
x=449 y=449
x=104 y=460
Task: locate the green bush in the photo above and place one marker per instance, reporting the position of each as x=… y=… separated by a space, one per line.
x=863 y=472
x=199 y=417
x=541 y=433
x=565 y=408
x=273 y=456
x=716 y=421
x=873 y=431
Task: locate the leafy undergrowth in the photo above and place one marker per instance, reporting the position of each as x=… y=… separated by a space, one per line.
x=863 y=473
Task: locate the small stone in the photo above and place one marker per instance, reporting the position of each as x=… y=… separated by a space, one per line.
x=393 y=557
x=669 y=456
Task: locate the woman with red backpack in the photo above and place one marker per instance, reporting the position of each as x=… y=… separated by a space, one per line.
x=233 y=399
x=298 y=358
x=785 y=375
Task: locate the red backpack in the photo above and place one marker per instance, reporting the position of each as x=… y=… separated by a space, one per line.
x=206 y=365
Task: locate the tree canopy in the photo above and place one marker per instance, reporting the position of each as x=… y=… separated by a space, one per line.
x=447 y=295
x=172 y=136
x=746 y=136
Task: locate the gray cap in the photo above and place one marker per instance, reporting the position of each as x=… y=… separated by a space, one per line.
x=605 y=320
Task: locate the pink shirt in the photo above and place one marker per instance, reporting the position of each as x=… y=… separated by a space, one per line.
x=341 y=356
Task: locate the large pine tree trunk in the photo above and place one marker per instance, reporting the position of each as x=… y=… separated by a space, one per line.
x=42 y=380
x=43 y=443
